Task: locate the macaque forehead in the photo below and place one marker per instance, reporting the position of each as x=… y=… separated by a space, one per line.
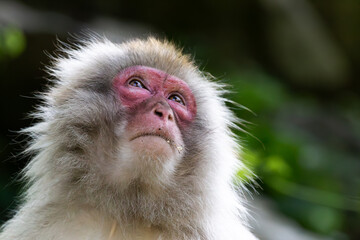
x=157 y=78
x=155 y=83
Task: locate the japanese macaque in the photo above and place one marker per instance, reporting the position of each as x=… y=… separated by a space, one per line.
x=133 y=142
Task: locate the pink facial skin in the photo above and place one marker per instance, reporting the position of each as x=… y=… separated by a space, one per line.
x=159 y=85
x=158 y=105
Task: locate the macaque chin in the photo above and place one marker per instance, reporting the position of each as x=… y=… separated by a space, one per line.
x=132 y=141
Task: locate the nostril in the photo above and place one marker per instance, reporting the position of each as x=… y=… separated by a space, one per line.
x=170 y=117
x=158 y=113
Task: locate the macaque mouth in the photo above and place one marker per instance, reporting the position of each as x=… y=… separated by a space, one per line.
x=169 y=141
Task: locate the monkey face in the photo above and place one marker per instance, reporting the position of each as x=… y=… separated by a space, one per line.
x=158 y=107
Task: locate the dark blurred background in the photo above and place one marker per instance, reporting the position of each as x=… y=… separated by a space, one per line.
x=294 y=63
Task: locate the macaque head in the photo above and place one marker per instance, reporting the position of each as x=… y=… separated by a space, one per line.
x=136 y=112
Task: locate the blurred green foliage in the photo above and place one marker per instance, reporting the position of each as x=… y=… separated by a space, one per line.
x=295 y=167
x=12 y=42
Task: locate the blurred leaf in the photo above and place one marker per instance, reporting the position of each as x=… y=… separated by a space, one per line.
x=277 y=165
x=12 y=42
x=257 y=91
x=316 y=196
x=324 y=219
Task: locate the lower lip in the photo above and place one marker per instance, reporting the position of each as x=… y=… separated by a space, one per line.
x=156 y=136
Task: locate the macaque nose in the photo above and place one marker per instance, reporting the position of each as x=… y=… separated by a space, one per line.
x=163 y=112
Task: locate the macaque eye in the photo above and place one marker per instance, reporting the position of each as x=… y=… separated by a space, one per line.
x=177 y=98
x=136 y=83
